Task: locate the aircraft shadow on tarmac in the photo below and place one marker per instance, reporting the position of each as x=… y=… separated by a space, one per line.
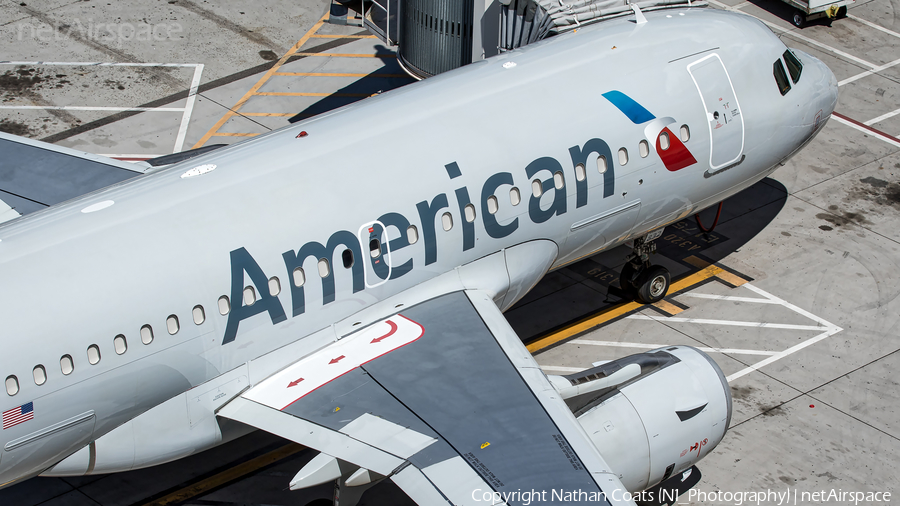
x=591 y=285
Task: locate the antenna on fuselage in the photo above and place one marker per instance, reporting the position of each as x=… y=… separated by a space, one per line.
x=638 y=15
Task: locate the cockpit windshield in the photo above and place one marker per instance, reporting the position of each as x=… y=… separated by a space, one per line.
x=793 y=64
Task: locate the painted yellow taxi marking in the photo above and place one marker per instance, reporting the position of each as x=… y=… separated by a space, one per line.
x=281 y=114
x=229 y=475
x=308 y=94
x=335 y=36
x=731 y=278
x=235 y=134
x=349 y=55
x=667 y=307
x=617 y=311
x=340 y=74
x=240 y=103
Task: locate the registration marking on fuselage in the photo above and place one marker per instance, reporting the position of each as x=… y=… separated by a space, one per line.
x=305 y=376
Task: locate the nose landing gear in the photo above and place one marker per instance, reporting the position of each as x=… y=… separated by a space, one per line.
x=641 y=280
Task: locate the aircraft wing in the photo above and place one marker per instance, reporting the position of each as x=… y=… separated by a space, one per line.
x=445 y=400
x=35 y=175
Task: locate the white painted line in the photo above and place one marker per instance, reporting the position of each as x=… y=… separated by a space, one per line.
x=730 y=298
x=792 y=307
x=793 y=33
x=793 y=349
x=188 y=109
x=868 y=72
x=882 y=117
x=866 y=131
x=873 y=25
x=92 y=108
x=614 y=344
x=729 y=323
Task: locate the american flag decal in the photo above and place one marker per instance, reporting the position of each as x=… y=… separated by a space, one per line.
x=17 y=415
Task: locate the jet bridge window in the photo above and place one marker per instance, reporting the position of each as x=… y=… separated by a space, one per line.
x=93 y=354
x=66 y=365
x=12 y=385
x=40 y=375
x=781 y=78
x=793 y=64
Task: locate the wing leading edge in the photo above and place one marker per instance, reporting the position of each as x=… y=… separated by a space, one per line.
x=445 y=400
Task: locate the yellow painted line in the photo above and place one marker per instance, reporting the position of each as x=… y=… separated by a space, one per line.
x=231 y=112
x=731 y=278
x=234 y=134
x=309 y=94
x=329 y=36
x=339 y=74
x=349 y=55
x=667 y=307
x=281 y=114
x=617 y=311
x=227 y=476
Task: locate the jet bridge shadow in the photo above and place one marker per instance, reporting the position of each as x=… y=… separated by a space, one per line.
x=590 y=286
x=390 y=76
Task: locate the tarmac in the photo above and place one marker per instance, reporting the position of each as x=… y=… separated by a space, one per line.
x=794 y=293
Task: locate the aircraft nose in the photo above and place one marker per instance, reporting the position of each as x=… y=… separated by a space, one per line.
x=824 y=94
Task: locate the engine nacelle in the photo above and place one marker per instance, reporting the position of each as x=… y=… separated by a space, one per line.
x=651 y=415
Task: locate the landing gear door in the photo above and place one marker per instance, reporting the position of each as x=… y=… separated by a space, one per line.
x=723 y=113
x=376 y=253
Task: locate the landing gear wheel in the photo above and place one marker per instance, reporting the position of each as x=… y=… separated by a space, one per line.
x=653 y=284
x=799 y=19
x=625 y=280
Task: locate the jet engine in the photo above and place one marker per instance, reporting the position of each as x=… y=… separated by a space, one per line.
x=651 y=415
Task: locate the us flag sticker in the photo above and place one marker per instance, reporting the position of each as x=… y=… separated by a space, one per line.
x=17 y=415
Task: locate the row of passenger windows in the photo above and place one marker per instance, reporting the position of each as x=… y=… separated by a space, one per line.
x=249 y=295
x=794 y=67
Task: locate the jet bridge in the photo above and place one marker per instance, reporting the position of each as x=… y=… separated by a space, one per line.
x=434 y=36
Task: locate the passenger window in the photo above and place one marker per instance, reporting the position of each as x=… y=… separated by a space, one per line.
x=514 y=197
x=225 y=304
x=623 y=156
x=12 y=387
x=347 y=258
x=664 y=141
x=323 y=267
x=93 y=354
x=470 y=209
x=249 y=296
x=601 y=164
x=685 y=133
x=146 y=334
x=274 y=289
x=644 y=148
x=580 y=173
x=793 y=64
x=299 y=276
x=40 y=375
x=374 y=249
x=537 y=189
x=493 y=205
x=172 y=324
x=447 y=221
x=120 y=344
x=781 y=79
x=66 y=365
x=199 y=315
x=412 y=234
x=558 y=181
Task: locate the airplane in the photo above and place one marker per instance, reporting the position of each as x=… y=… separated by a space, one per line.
x=341 y=282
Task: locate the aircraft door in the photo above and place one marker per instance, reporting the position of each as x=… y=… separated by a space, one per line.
x=376 y=253
x=723 y=113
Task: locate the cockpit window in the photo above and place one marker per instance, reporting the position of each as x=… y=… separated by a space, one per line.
x=793 y=64
x=781 y=78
